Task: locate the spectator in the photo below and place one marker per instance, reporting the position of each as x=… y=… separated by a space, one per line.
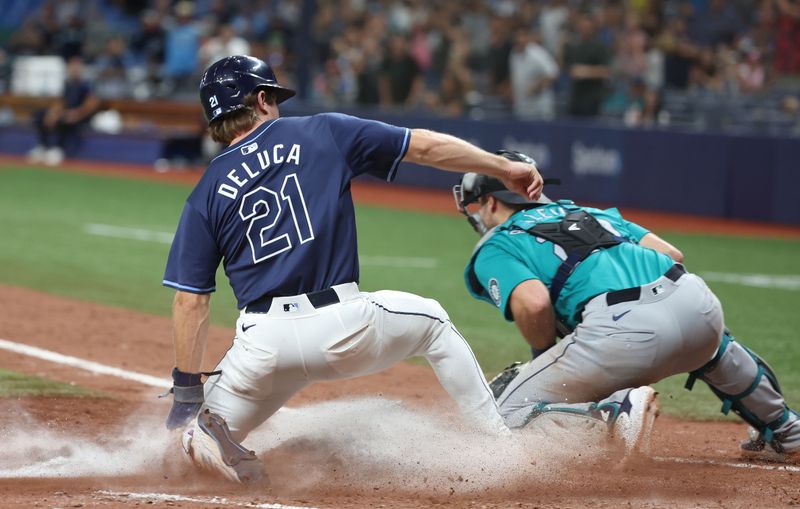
x=181 y=48
x=787 y=39
x=498 y=56
x=552 y=20
x=533 y=72
x=705 y=73
x=225 y=44
x=400 y=82
x=367 y=67
x=643 y=105
x=64 y=117
x=587 y=62
x=111 y=69
x=719 y=23
x=147 y=43
x=630 y=60
x=679 y=54
x=455 y=88
x=750 y=72
x=70 y=38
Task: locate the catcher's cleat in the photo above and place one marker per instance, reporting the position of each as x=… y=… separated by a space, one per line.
x=755 y=447
x=210 y=446
x=634 y=424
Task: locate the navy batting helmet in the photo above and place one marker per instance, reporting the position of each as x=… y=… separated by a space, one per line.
x=227 y=82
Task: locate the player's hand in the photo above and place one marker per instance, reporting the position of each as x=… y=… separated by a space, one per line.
x=524 y=179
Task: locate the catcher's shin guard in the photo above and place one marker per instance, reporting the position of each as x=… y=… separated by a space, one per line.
x=209 y=444
x=747 y=385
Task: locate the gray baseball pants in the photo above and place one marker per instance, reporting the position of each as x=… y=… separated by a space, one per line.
x=673 y=327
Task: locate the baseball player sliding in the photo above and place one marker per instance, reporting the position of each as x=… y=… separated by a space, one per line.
x=275 y=208
x=629 y=312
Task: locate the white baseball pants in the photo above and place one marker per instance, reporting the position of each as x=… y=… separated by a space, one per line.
x=277 y=353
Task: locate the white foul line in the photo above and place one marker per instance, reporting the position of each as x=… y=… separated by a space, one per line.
x=781 y=282
x=94 y=367
x=123 y=232
x=167 y=497
x=731 y=464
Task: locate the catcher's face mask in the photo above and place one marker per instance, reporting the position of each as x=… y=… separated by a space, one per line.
x=467 y=193
x=473 y=186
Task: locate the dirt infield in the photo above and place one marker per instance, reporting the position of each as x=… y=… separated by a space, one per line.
x=378 y=441
x=111 y=452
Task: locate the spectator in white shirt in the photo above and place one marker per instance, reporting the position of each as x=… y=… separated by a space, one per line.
x=533 y=71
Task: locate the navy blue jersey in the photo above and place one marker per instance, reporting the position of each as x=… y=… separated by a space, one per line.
x=75 y=93
x=276 y=207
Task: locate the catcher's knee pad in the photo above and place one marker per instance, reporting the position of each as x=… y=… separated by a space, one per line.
x=747 y=385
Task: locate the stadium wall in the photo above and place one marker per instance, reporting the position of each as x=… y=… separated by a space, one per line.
x=720 y=175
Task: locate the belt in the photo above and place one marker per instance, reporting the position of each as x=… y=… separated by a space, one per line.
x=630 y=294
x=318 y=299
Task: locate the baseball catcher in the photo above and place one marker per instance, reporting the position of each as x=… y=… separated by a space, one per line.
x=627 y=310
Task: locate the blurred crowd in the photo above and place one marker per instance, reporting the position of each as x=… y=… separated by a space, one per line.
x=533 y=59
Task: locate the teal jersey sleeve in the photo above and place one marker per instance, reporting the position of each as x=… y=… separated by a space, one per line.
x=496 y=273
x=636 y=231
x=510 y=254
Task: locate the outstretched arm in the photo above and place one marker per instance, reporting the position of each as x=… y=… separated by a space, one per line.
x=190 y=329
x=449 y=153
x=190 y=334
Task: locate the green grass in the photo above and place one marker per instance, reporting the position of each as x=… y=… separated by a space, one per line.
x=44 y=246
x=14 y=385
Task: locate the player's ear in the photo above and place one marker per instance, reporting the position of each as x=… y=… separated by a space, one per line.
x=268 y=97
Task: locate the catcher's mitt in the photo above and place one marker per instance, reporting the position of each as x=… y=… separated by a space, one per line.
x=499 y=383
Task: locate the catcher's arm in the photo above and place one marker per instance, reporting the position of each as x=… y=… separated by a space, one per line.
x=189 y=335
x=653 y=241
x=534 y=315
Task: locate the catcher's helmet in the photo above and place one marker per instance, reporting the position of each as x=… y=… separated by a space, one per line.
x=474 y=185
x=227 y=82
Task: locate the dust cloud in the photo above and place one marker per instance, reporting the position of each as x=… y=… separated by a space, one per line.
x=359 y=444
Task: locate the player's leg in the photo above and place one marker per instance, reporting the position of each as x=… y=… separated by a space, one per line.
x=386 y=327
x=627 y=416
x=672 y=328
x=747 y=385
x=257 y=378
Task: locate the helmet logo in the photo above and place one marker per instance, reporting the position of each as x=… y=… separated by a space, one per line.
x=213 y=101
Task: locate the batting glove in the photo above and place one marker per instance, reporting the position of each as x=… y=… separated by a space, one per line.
x=187 y=392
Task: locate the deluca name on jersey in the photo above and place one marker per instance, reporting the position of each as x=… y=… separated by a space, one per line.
x=241 y=176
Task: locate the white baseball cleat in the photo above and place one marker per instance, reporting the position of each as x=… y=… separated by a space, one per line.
x=53 y=156
x=36 y=155
x=209 y=444
x=634 y=424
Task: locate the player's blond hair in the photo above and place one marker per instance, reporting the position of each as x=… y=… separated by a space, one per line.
x=226 y=128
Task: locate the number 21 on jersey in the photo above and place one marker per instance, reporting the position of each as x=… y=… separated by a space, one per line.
x=262 y=207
